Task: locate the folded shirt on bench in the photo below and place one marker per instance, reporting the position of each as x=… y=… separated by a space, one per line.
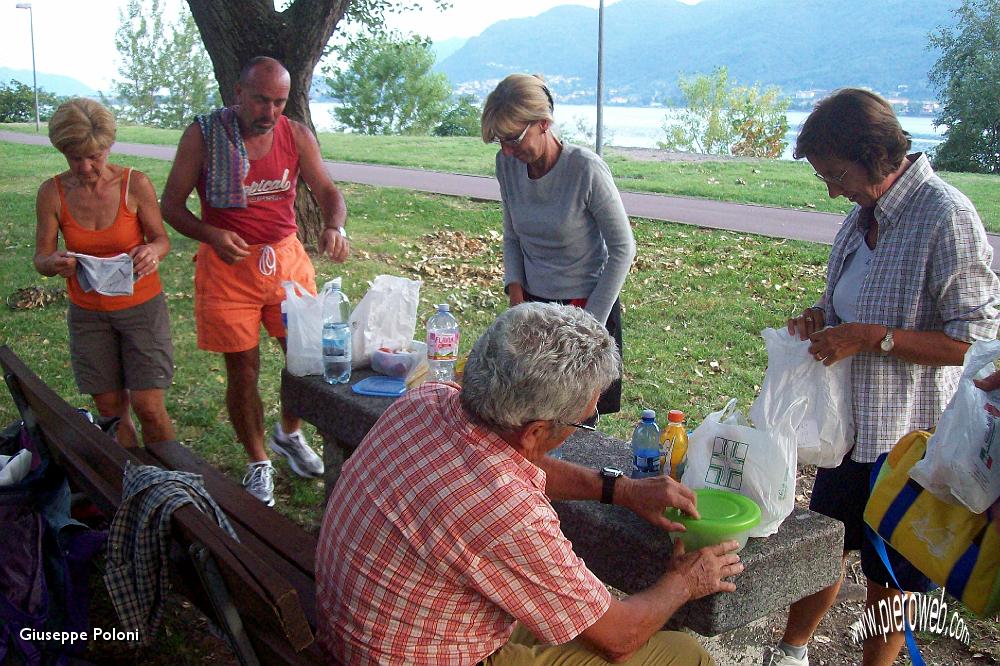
x=137 y=570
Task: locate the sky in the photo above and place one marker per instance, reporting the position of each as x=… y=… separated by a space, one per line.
x=77 y=37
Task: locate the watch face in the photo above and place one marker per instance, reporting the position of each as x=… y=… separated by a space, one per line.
x=611 y=471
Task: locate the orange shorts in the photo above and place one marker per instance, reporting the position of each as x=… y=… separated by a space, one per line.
x=232 y=300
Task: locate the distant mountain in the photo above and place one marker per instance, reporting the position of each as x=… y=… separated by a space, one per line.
x=446 y=47
x=53 y=83
x=795 y=44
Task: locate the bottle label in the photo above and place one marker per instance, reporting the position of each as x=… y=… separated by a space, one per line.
x=442 y=346
x=334 y=347
x=336 y=340
x=646 y=461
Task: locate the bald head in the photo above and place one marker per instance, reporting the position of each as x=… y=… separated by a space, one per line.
x=262 y=67
x=261 y=93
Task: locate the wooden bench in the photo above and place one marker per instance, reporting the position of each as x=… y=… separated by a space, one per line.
x=260 y=591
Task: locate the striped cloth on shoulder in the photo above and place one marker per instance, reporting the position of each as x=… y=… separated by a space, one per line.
x=226 y=162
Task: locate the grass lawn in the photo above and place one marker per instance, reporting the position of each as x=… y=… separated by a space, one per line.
x=694 y=304
x=778 y=183
x=693 y=297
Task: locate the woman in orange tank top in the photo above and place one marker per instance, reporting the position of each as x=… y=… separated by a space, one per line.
x=120 y=345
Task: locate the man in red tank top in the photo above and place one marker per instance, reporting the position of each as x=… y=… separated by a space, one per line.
x=249 y=248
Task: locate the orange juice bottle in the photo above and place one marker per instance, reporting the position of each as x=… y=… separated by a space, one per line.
x=674 y=445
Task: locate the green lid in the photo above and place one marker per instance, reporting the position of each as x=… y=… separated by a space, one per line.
x=722 y=513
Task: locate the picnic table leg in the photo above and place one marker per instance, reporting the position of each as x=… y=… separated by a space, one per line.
x=335 y=453
x=225 y=611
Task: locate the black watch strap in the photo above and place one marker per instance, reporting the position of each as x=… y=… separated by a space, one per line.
x=608 y=487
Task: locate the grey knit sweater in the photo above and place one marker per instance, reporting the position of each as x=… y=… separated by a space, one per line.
x=566 y=234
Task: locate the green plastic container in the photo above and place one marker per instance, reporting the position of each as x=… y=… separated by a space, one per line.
x=725 y=516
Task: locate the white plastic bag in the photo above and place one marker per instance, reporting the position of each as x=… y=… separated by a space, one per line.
x=726 y=452
x=826 y=432
x=385 y=317
x=304 y=330
x=962 y=463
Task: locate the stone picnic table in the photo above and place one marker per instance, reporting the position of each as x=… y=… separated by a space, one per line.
x=623 y=550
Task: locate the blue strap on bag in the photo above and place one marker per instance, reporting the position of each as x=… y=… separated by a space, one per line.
x=879 y=544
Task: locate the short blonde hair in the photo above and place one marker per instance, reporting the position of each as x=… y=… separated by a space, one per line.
x=518 y=99
x=81 y=126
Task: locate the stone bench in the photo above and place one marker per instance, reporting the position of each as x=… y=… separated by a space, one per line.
x=621 y=548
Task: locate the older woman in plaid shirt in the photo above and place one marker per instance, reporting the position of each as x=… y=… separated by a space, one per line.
x=909 y=288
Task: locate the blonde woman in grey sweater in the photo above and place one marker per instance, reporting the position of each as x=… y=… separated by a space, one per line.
x=567 y=238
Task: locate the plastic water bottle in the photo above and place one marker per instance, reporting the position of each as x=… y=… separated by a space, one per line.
x=442 y=344
x=336 y=334
x=646 y=446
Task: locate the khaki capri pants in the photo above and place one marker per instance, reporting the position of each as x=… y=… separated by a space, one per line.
x=665 y=648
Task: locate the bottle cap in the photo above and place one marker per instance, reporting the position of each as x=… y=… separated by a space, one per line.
x=675 y=416
x=443 y=307
x=648 y=415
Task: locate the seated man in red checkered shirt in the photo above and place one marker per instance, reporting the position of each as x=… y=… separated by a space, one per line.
x=440 y=537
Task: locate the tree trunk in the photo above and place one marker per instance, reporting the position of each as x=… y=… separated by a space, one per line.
x=235 y=32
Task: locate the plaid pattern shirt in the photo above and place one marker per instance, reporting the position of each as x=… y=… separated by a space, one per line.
x=437 y=537
x=137 y=573
x=930 y=271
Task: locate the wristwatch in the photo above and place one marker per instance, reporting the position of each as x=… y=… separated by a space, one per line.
x=609 y=475
x=342 y=231
x=887 y=343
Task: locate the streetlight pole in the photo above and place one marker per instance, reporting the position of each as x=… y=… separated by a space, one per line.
x=599 y=139
x=34 y=72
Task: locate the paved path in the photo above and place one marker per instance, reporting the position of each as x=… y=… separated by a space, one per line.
x=743 y=218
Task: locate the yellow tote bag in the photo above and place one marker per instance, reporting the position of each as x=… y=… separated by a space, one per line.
x=949 y=544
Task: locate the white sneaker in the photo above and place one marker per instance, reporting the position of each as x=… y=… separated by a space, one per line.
x=259 y=481
x=775 y=656
x=301 y=458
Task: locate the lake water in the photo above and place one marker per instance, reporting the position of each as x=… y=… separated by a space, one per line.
x=641 y=127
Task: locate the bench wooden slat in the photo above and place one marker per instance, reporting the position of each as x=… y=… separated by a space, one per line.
x=63 y=427
x=232 y=498
x=304 y=585
x=258 y=591
x=278 y=532
x=269 y=647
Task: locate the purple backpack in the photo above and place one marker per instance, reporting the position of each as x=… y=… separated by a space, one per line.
x=44 y=560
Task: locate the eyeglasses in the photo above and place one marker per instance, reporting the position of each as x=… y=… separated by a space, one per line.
x=839 y=180
x=513 y=143
x=589 y=424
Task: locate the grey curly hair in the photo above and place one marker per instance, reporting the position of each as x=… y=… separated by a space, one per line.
x=538 y=362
